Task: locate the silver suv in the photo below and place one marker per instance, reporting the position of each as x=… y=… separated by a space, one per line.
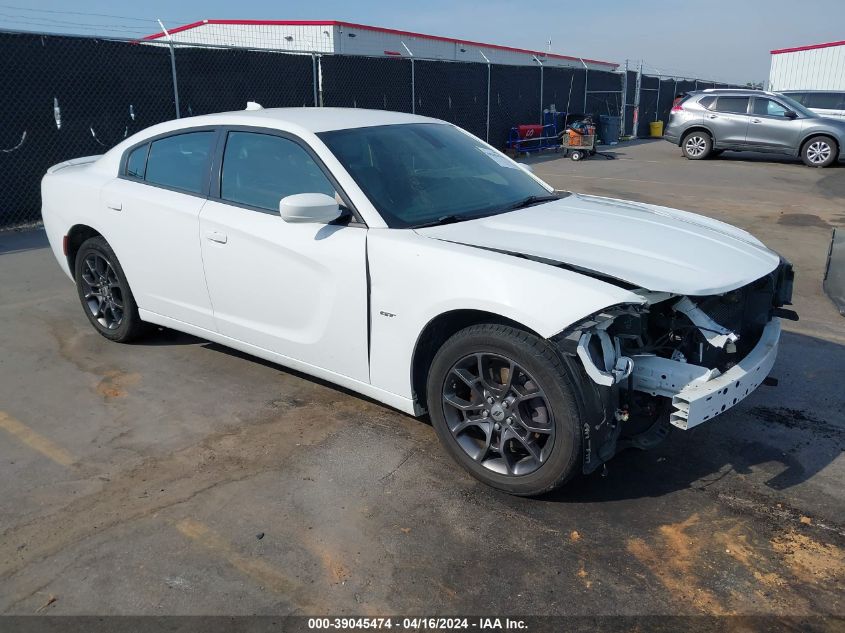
x=708 y=122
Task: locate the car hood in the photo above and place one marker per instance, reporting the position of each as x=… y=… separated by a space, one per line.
x=655 y=248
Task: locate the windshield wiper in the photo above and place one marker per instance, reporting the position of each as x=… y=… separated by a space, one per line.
x=530 y=201
x=445 y=219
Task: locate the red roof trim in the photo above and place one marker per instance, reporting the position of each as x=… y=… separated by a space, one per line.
x=811 y=47
x=380 y=29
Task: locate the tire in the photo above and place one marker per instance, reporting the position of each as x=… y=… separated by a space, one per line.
x=104 y=292
x=548 y=405
x=576 y=155
x=697 y=145
x=819 y=151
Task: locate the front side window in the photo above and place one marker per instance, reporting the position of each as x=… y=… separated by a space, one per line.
x=767 y=107
x=261 y=169
x=736 y=105
x=180 y=161
x=424 y=173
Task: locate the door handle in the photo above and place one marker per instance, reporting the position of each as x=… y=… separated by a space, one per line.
x=755 y=120
x=114 y=205
x=216 y=236
x=712 y=116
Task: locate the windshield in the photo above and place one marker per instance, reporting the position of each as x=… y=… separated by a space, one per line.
x=419 y=174
x=794 y=105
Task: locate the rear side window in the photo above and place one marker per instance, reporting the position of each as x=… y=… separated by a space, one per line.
x=738 y=105
x=825 y=100
x=261 y=169
x=180 y=161
x=136 y=164
x=707 y=102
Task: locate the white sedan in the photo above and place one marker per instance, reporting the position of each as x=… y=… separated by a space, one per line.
x=405 y=259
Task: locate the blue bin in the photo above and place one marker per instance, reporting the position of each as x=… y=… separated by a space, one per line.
x=609 y=129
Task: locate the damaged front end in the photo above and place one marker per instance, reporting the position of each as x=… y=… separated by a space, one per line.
x=674 y=360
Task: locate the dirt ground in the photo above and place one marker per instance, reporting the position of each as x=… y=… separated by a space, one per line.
x=174 y=476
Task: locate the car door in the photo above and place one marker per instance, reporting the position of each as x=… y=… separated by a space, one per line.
x=728 y=119
x=772 y=128
x=295 y=289
x=156 y=202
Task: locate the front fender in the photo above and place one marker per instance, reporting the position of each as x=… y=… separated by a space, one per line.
x=414 y=279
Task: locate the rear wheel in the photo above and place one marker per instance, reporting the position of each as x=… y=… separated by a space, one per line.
x=697 y=145
x=503 y=405
x=104 y=292
x=819 y=151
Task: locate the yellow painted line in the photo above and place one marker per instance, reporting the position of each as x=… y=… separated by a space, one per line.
x=35 y=441
x=255 y=568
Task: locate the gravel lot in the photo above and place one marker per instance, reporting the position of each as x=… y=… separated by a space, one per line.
x=140 y=479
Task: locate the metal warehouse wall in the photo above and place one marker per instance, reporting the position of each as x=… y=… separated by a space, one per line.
x=812 y=69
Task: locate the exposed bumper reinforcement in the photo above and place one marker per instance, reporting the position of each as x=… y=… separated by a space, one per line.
x=698 y=397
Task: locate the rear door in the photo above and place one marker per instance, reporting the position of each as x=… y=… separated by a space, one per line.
x=298 y=290
x=728 y=119
x=770 y=129
x=156 y=201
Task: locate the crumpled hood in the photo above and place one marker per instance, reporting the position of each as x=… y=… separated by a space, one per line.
x=652 y=247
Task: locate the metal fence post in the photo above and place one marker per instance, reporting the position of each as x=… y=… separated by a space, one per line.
x=172 y=70
x=624 y=98
x=487 y=133
x=314 y=77
x=657 y=103
x=636 y=130
x=541 y=85
x=586 y=79
x=413 y=79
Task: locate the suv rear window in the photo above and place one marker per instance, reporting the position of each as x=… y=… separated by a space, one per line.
x=738 y=105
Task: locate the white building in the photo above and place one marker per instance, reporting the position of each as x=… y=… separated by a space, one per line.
x=308 y=36
x=814 y=67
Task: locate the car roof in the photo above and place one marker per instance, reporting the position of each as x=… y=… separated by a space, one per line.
x=311 y=119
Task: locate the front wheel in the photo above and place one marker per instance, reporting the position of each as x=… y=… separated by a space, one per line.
x=104 y=292
x=697 y=145
x=819 y=151
x=503 y=404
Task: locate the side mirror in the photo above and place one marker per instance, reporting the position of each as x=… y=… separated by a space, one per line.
x=309 y=207
x=790 y=114
x=525 y=167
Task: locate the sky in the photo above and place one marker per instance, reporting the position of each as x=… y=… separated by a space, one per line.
x=710 y=39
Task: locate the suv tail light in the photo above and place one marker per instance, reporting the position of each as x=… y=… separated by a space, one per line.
x=677 y=108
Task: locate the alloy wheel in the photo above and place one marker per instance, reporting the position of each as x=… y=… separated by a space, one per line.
x=818 y=152
x=102 y=292
x=498 y=414
x=695 y=146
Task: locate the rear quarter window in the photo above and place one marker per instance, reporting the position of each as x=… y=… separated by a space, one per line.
x=707 y=102
x=136 y=164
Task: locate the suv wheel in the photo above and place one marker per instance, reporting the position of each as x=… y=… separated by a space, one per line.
x=503 y=404
x=819 y=151
x=697 y=145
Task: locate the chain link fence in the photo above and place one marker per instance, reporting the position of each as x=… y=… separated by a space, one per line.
x=62 y=97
